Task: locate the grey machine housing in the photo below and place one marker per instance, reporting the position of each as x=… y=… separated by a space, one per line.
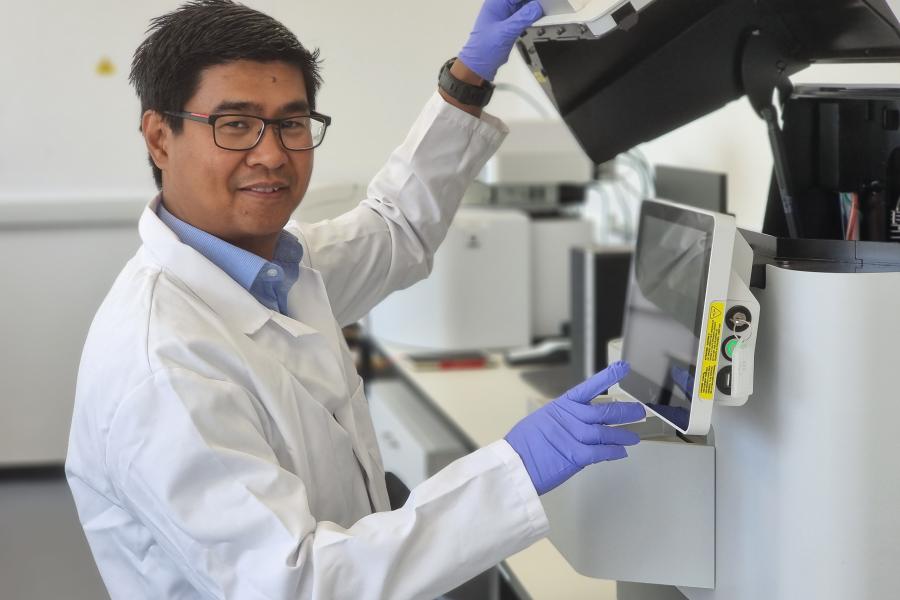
x=794 y=494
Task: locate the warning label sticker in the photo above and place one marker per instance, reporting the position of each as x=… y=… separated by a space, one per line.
x=711 y=350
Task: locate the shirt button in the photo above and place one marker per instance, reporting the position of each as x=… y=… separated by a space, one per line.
x=272 y=273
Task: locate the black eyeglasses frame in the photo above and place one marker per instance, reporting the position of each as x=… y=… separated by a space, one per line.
x=211 y=121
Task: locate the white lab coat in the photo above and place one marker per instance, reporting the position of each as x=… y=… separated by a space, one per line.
x=222 y=450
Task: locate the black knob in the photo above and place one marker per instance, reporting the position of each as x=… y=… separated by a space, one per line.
x=723 y=380
x=738 y=318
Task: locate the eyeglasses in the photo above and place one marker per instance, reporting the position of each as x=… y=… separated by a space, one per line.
x=243 y=132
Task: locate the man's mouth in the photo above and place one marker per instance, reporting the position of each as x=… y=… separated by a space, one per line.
x=264 y=188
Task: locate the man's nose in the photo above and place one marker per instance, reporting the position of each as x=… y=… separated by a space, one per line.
x=269 y=152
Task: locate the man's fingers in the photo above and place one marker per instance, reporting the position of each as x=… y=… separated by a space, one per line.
x=587 y=390
x=584 y=433
x=502 y=9
x=592 y=434
x=619 y=413
x=601 y=434
x=608 y=413
x=523 y=18
x=589 y=455
x=514 y=5
x=615 y=436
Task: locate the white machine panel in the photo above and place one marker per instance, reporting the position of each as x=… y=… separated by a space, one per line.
x=600 y=16
x=478 y=294
x=654 y=515
x=807 y=484
x=415 y=444
x=552 y=241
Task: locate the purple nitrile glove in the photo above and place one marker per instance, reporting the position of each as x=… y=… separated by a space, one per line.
x=498 y=25
x=568 y=434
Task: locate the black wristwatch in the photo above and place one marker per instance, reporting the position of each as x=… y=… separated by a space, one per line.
x=465 y=93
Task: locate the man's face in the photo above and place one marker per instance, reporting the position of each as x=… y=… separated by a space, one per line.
x=225 y=192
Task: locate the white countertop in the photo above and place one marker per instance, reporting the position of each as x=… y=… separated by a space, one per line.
x=484 y=404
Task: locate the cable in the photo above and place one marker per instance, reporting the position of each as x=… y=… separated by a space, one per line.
x=646 y=167
x=528 y=98
x=853 y=222
x=644 y=172
x=621 y=174
x=626 y=216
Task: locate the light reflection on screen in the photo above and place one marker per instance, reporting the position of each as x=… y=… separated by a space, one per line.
x=664 y=314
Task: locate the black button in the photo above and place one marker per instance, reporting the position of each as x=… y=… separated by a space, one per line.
x=740 y=313
x=723 y=380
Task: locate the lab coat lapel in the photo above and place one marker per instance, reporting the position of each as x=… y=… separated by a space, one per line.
x=309 y=303
x=211 y=284
x=307 y=343
x=311 y=354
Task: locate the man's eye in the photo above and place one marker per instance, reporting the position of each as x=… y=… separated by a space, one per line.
x=293 y=124
x=237 y=124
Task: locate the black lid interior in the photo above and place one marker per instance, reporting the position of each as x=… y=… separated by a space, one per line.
x=683 y=59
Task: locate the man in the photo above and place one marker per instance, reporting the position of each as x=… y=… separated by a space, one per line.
x=221 y=444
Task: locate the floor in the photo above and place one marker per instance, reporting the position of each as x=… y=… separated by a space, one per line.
x=43 y=552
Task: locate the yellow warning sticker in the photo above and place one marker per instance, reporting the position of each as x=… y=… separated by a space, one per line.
x=105 y=67
x=711 y=350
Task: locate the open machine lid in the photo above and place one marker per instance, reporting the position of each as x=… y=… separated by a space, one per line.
x=664 y=63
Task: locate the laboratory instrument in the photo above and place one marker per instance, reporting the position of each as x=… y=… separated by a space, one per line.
x=478 y=295
x=690 y=318
x=794 y=494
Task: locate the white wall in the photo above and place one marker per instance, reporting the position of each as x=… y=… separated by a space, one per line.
x=69 y=132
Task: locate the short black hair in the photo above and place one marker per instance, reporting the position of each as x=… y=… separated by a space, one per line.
x=200 y=34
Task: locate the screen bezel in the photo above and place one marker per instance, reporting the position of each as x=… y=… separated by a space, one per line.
x=716 y=276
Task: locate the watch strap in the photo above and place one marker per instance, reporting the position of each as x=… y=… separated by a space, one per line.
x=465 y=93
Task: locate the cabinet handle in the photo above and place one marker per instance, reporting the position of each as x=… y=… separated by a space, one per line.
x=390 y=440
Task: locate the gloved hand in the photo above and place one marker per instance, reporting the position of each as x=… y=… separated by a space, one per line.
x=498 y=25
x=564 y=436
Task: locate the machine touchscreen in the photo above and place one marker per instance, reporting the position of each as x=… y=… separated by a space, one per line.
x=664 y=312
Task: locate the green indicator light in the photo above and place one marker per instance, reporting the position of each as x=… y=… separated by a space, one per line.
x=729 y=348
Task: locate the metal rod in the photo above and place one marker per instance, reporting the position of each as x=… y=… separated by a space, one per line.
x=779 y=156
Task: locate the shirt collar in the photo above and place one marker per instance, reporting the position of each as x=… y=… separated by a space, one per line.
x=211 y=284
x=242 y=266
x=246 y=268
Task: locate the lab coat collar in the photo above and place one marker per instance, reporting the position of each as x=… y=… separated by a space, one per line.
x=215 y=287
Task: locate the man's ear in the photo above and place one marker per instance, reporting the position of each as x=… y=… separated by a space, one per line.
x=157 y=134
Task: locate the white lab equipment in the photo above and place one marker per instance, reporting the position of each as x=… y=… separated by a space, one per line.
x=415 y=444
x=598 y=16
x=792 y=494
x=541 y=170
x=537 y=152
x=690 y=319
x=478 y=294
x=552 y=240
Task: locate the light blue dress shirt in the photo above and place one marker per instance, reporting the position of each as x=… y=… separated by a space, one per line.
x=268 y=281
